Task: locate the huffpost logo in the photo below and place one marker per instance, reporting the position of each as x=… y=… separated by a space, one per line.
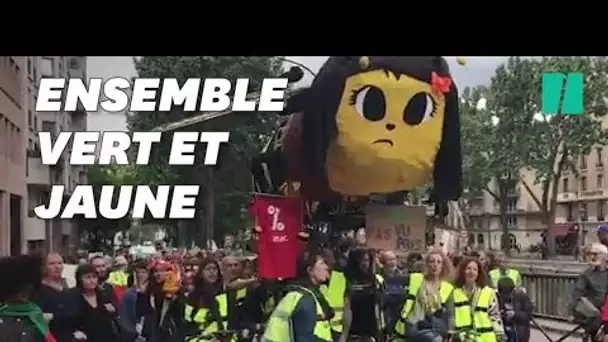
x=571 y=85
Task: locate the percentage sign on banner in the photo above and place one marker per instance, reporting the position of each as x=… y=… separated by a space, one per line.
x=274 y=212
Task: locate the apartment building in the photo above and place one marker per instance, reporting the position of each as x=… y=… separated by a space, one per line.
x=12 y=153
x=523 y=216
x=583 y=193
x=58 y=234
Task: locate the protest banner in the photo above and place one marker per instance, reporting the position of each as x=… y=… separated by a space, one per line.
x=398 y=228
x=279 y=220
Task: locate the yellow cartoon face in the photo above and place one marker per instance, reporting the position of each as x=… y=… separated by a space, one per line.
x=389 y=131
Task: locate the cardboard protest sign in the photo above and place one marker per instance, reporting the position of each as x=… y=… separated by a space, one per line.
x=398 y=228
x=446 y=240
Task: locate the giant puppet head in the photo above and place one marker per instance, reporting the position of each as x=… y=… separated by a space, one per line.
x=381 y=124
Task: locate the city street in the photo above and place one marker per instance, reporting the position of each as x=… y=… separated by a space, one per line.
x=537 y=336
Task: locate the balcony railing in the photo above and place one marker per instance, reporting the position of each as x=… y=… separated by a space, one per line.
x=34 y=229
x=38 y=174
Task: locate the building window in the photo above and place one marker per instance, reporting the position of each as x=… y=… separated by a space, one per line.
x=74 y=63
x=570 y=212
x=512 y=205
x=600 y=159
x=600 y=210
x=47 y=67
x=600 y=181
x=29 y=67
x=480 y=239
x=583 y=162
x=512 y=221
x=6 y=133
x=583 y=212
x=18 y=156
x=35 y=246
x=583 y=183
x=565 y=184
x=48 y=126
x=14 y=142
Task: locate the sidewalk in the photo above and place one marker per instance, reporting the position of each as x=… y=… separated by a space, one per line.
x=557 y=327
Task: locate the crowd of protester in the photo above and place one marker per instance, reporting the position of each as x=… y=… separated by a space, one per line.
x=340 y=294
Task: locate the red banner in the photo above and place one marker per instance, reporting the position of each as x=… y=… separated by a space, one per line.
x=280 y=221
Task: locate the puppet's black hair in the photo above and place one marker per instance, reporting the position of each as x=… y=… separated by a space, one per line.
x=320 y=102
x=20 y=273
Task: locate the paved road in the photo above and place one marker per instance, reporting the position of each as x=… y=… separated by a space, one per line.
x=537 y=336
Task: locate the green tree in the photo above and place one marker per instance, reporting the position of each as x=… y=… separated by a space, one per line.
x=99 y=233
x=549 y=144
x=491 y=160
x=225 y=188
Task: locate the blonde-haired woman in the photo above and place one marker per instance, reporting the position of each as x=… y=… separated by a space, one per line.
x=428 y=310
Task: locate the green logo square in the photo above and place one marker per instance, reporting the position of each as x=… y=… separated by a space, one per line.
x=552 y=85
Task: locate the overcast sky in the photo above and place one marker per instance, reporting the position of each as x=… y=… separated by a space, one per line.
x=477 y=71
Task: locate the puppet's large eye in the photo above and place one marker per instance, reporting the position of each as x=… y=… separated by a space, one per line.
x=369 y=102
x=419 y=109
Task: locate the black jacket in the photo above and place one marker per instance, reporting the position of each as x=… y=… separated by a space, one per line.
x=517 y=328
x=154 y=328
x=62 y=305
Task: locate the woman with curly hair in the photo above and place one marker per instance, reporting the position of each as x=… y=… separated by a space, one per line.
x=476 y=305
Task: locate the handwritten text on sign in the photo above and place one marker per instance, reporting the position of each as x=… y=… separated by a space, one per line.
x=395 y=227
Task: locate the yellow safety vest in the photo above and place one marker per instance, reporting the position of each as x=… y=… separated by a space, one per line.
x=278 y=328
x=473 y=321
x=334 y=293
x=241 y=293
x=416 y=280
x=118 y=278
x=203 y=320
x=497 y=274
x=268 y=307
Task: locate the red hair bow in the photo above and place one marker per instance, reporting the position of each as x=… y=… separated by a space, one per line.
x=440 y=84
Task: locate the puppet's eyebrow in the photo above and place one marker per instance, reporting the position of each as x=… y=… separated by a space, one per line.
x=388 y=73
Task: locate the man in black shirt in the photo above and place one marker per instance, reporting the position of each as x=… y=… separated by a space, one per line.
x=107 y=291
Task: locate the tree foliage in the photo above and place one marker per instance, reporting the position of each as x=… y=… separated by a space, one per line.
x=225 y=187
x=548 y=144
x=490 y=151
x=100 y=232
